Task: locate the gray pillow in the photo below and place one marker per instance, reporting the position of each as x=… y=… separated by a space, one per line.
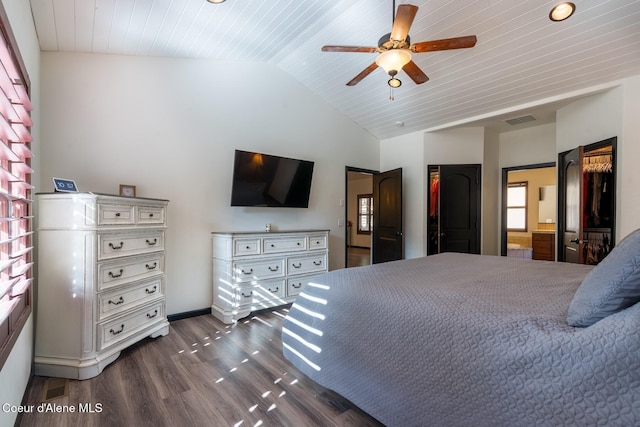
x=612 y=285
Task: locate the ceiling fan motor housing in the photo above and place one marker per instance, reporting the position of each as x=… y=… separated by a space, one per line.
x=386 y=43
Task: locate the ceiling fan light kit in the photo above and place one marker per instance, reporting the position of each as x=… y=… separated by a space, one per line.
x=562 y=11
x=395 y=49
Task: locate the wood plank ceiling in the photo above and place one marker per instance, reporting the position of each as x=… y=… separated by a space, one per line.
x=520 y=59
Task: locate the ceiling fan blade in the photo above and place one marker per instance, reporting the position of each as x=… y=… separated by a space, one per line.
x=444 y=44
x=415 y=73
x=403 y=20
x=364 y=73
x=363 y=49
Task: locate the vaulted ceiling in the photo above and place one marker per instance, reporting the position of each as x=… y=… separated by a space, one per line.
x=521 y=56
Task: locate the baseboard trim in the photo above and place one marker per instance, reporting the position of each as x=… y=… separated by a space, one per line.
x=187 y=314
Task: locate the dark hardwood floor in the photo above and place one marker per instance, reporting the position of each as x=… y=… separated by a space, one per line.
x=204 y=373
x=357 y=257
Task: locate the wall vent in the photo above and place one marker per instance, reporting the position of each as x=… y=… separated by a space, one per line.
x=519 y=120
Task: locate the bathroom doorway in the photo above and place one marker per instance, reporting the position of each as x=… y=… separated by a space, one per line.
x=529 y=211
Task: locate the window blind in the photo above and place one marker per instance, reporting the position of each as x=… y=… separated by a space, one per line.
x=16 y=221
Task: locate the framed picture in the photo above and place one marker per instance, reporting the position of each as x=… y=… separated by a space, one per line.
x=65 y=185
x=127 y=190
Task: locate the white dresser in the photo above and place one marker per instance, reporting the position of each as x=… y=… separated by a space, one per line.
x=101 y=280
x=254 y=271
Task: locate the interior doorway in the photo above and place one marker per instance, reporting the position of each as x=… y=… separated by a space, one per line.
x=359 y=226
x=529 y=211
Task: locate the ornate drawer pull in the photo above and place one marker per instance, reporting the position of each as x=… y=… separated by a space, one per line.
x=317 y=262
x=151 y=267
x=272 y=291
x=273 y=246
x=151 y=316
x=152 y=291
x=248 y=247
x=150 y=243
x=150 y=215
x=298 y=243
x=119 y=331
x=317 y=243
x=115 y=248
x=298 y=286
x=296 y=266
x=247 y=296
x=116 y=275
x=120 y=301
x=274 y=268
x=247 y=272
x=117 y=214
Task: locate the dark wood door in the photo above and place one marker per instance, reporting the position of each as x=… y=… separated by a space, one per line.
x=571 y=206
x=388 y=240
x=460 y=208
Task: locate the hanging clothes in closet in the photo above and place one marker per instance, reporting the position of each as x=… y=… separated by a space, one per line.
x=597 y=206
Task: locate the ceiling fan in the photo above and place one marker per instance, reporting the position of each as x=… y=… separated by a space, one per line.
x=395 y=49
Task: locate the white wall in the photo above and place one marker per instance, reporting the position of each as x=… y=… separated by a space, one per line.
x=170 y=127
x=407 y=152
x=15 y=373
x=629 y=158
x=598 y=117
x=528 y=146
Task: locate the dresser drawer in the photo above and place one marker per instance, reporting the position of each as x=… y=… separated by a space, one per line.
x=268 y=294
x=258 y=269
x=125 y=298
x=110 y=214
x=296 y=284
x=121 y=328
x=151 y=215
x=124 y=244
x=286 y=244
x=246 y=247
x=306 y=264
x=125 y=270
x=317 y=242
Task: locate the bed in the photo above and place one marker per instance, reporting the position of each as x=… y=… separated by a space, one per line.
x=474 y=340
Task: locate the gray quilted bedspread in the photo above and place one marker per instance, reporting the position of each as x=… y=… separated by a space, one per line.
x=466 y=340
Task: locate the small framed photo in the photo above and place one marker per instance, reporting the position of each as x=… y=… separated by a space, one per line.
x=127 y=190
x=65 y=185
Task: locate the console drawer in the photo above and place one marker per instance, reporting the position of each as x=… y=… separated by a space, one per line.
x=123 y=299
x=246 y=247
x=110 y=214
x=306 y=264
x=151 y=215
x=125 y=270
x=268 y=294
x=117 y=245
x=295 y=285
x=121 y=328
x=317 y=242
x=286 y=244
x=258 y=269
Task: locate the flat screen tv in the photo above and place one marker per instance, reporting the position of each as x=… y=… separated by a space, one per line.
x=273 y=181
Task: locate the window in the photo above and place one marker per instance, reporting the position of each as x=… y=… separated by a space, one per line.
x=365 y=213
x=15 y=195
x=517 y=206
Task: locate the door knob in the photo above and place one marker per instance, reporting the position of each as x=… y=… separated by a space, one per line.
x=443 y=234
x=578 y=241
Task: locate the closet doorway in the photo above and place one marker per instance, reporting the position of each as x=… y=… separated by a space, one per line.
x=587 y=189
x=529 y=211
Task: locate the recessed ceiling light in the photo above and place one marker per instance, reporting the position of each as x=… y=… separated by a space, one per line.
x=216 y=1
x=562 y=11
